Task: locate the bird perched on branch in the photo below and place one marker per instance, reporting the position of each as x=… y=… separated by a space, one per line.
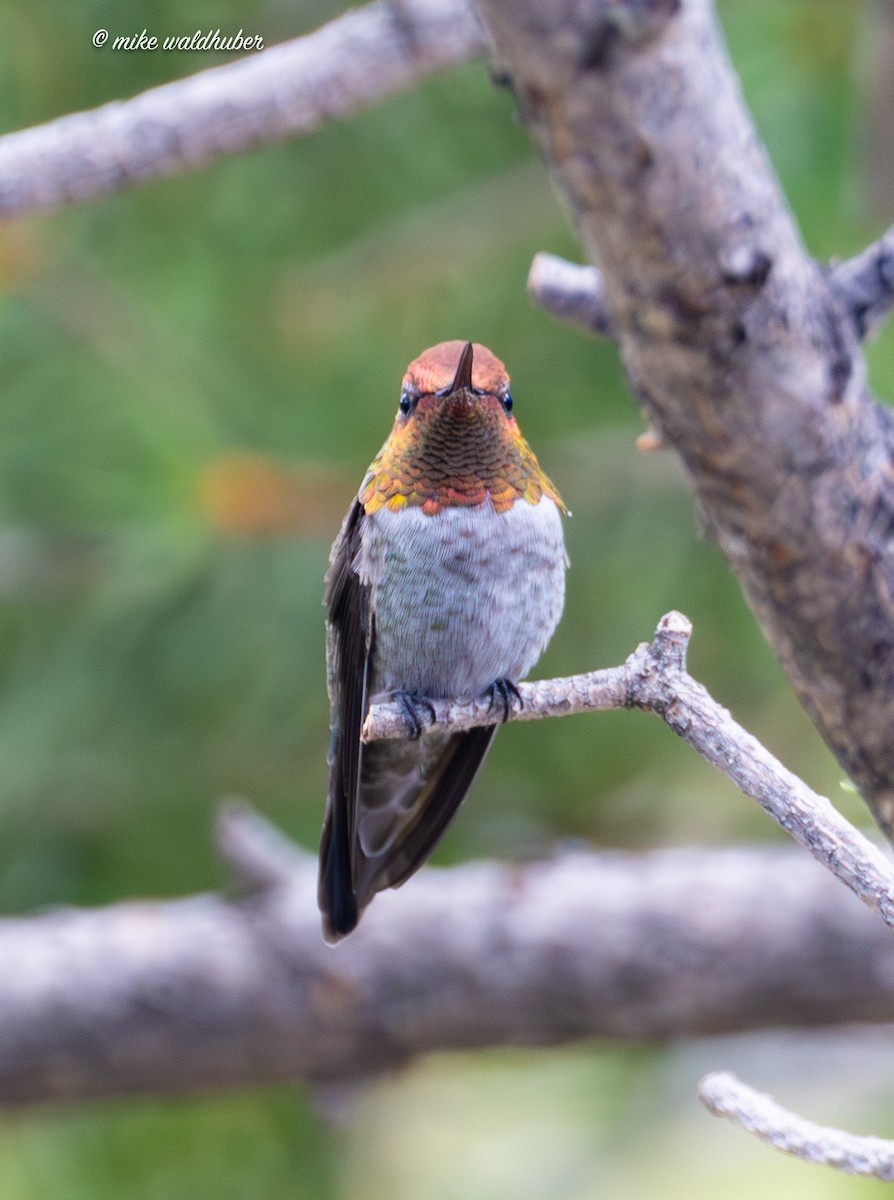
x=446 y=580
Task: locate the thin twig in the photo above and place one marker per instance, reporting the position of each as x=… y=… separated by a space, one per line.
x=260 y=858
x=655 y=678
x=349 y=64
x=596 y=691
x=726 y=1096
x=570 y=292
x=866 y=283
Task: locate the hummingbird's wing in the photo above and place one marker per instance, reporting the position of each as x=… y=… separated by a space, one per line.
x=349 y=650
x=388 y=803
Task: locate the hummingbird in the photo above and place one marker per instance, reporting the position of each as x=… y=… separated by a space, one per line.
x=447 y=579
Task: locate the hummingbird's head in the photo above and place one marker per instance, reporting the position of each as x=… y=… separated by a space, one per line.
x=455 y=441
x=455 y=376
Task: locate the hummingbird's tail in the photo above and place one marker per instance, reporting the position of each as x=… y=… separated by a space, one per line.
x=337 y=901
x=409 y=792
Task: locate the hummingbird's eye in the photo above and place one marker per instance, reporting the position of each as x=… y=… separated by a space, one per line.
x=405 y=403
x=507 y=402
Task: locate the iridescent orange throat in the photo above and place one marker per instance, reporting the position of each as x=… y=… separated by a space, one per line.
x=456 y=451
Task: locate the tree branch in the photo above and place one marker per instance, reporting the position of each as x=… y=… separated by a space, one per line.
x=184 y=995
x=570 y=292
x=655 y=678
x=726 y=1096
x=739 y=348
x=865 y=283
x=576 y=294
x=349 y=64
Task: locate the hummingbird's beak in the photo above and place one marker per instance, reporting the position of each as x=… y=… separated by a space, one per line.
x=462 y=380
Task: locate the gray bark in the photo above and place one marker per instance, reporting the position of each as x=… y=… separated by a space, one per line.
x=855 y=1154
x=355 y=61
x=654 y=677
x=184 y=995
x=740 y=350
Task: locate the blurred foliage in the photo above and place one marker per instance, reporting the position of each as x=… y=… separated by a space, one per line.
x=194 y=376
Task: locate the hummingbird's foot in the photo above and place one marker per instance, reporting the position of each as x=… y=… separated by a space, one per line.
x=411 y=703
x=501 y=690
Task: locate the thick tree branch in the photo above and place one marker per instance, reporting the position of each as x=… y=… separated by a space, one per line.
x=183 y=995
x=349 y=64
x=740 y=349
x=726 y=1096
x=655 y=678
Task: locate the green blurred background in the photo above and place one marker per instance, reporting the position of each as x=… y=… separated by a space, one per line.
x=194 y=377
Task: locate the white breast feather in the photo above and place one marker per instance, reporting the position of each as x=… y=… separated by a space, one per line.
x=463 y=597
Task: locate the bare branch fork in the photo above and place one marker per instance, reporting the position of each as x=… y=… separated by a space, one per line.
x=743 y=353
x=655 y=678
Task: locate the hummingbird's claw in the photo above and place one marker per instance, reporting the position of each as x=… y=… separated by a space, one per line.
x=502 y=690
x=411 y=703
